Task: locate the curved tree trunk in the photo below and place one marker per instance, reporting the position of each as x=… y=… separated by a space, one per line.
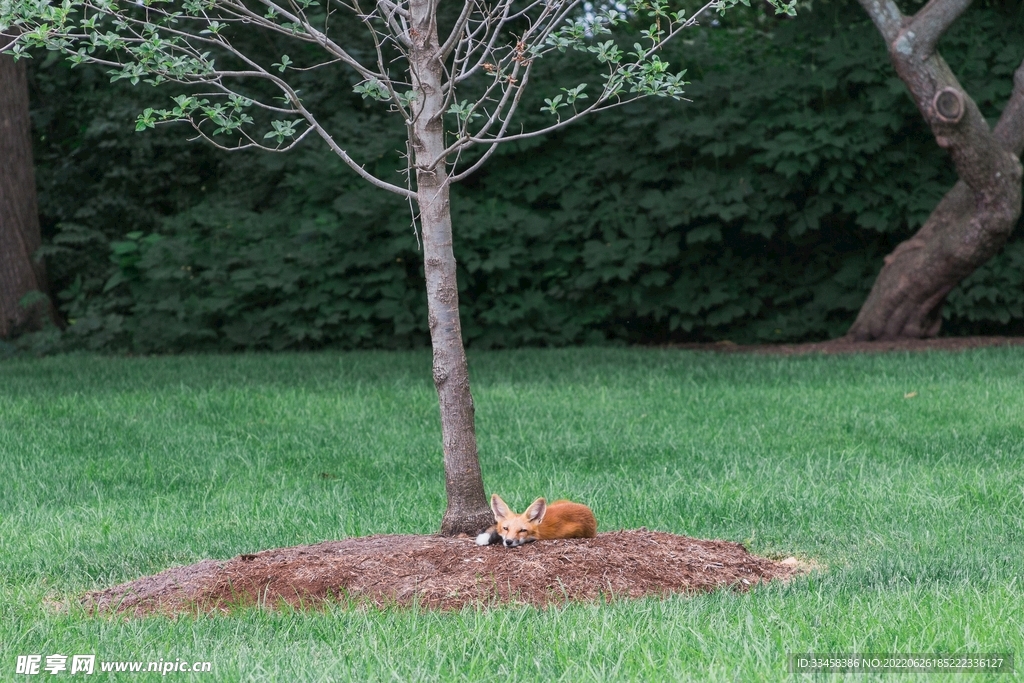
x=20 y=274
x=975 y=218
x=467 y=511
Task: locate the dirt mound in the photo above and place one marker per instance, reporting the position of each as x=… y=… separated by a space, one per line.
x=449 y=573
x=841 y=345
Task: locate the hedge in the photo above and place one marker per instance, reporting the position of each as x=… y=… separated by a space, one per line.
x=758 y=211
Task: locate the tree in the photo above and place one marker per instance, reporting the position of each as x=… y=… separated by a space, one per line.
x=23 y=303
x=975 y=218
x=485 y=55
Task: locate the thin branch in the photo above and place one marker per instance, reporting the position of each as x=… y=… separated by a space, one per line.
x=592 y=109
x=363 y=173
x=252 y=143
x=488 y=49
x=683 y=25
x=318 y=37
x=399 y=30
x=314 y=67
x=385 y=79
x=516 y=83
x=499 y=136
x=226 y=91
x=394 y=8
x=300 y=109
x=513 y=84
x=526 y=9
x=453 y=37
x=549 y=21
x=499 y=113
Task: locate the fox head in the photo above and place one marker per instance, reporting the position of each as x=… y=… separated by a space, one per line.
x=517 y=529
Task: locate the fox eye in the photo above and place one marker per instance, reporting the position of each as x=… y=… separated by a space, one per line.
x=504 y=528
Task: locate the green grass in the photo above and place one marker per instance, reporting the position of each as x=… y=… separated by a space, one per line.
x=113 y=468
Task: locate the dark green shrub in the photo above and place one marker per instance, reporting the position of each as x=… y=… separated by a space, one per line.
x=758 y=211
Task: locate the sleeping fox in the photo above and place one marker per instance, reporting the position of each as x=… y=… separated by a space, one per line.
x=540 y=522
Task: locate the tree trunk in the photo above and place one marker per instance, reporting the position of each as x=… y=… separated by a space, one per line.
x=467 y=511
x=20 y=274
x=975 y=218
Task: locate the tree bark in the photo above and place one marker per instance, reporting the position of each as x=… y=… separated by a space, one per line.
x=975 y=218
x=20 y=273
x=467 y=511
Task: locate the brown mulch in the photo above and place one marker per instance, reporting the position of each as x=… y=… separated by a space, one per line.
x=449 y=573
x=837 y=346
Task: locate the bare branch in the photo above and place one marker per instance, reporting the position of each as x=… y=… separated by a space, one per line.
x=399 y=29
x=886 y=17
x=515 y=86
x=363 y=173
x=499 y=136
x=460 y=23
x=315 y=66
x=526 y=9
x=930 y=23
x=1010 y=129
x=344 y=5
x=465 y=140
x=498 y=30
x=549 y=21
x=924 y=29
x=394 y=8
x=487 y=48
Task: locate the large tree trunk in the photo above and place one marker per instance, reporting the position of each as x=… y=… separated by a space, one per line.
x=20 y=273
x=468 y=511
x=975 y=218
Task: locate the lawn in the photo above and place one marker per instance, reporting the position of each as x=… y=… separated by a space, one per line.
x=900 y=474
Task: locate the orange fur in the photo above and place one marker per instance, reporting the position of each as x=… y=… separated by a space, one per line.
x=540 y=522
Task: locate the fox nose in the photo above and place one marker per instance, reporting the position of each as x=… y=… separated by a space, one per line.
x=508 y=543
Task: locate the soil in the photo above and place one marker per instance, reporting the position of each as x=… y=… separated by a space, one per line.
x=836 y=346
x=449 y=573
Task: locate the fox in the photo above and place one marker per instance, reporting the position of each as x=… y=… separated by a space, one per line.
x=540 y=522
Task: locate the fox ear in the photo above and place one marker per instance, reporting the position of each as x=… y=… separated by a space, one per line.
x=535 y=513
x=499 y=508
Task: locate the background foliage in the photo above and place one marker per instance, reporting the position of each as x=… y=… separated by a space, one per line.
x=759 y=211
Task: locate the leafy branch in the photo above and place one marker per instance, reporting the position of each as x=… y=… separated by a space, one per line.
x=190 y=42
